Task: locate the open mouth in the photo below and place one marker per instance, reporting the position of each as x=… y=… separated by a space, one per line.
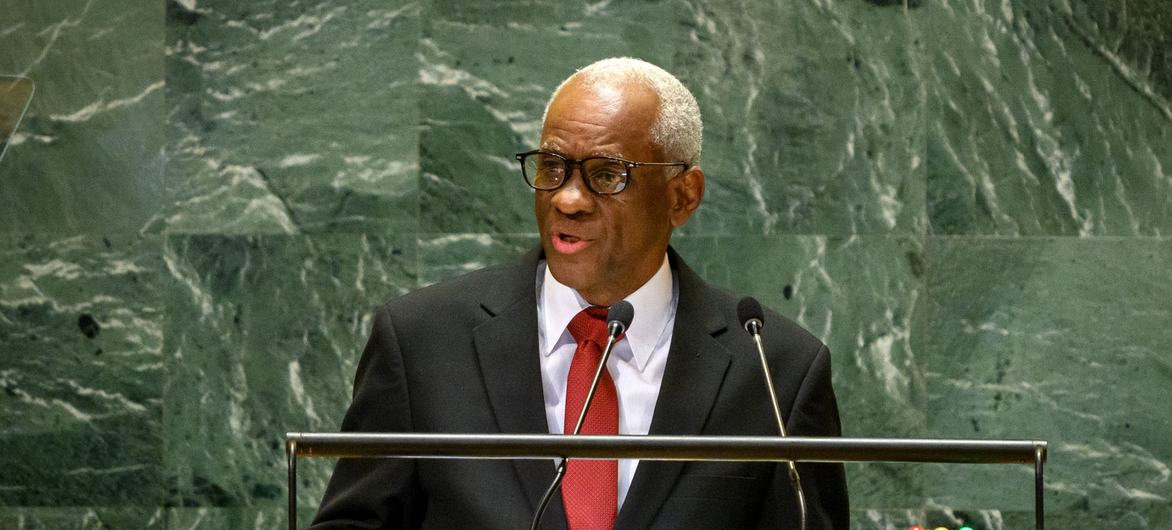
x=568 y=244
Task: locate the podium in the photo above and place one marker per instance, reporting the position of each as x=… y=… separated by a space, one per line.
x=650 y=447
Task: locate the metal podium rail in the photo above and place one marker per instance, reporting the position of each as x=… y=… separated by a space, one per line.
x=698 y=448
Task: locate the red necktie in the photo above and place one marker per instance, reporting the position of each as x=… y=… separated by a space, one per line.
x=590 y=488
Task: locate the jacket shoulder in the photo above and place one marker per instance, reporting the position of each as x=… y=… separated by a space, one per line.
x=468 y=295
x=776 y=329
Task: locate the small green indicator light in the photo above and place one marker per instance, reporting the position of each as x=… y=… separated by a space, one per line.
x=966 y=527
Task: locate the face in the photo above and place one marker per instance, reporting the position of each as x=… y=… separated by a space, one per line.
x=606 y=247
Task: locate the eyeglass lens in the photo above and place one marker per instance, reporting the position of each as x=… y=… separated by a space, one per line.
x=547 y=172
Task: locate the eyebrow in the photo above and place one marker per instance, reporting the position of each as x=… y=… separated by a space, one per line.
x=549 y=147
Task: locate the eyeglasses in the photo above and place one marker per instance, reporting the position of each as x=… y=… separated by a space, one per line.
x=604 y=175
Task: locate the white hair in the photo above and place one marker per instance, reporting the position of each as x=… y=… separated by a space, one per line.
x=678 y=130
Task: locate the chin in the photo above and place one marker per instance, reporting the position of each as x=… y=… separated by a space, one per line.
x=567 y=271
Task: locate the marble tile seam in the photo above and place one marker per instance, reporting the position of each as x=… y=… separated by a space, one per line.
x=426 y=236
x=421 y=237
x=1042 y=237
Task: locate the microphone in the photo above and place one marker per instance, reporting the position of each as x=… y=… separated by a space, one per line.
x=618 y=319
x=750 y=314
x=752 y=318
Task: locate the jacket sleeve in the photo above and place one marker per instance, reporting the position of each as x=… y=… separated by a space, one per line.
x=814 y=413
x=375 y=493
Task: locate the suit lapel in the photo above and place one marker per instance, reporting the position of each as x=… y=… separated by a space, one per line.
x=692 y=378
x=506 y=345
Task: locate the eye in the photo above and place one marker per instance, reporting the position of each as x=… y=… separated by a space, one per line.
x=550 y=163
x=606 y=175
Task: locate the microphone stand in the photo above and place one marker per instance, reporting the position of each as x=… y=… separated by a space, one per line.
x=615 y=329
x=753 y=326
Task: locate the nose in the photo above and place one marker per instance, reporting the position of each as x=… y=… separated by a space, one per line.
x=573 y=197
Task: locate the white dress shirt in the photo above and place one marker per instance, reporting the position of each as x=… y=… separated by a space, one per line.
x=636 y=363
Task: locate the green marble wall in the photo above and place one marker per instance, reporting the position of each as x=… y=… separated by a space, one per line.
x=970 y=201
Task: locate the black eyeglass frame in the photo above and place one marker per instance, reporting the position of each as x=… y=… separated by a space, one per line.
x=628 y=165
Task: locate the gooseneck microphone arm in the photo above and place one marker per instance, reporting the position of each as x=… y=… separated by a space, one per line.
x=618 y=319
x=753 y=326
x=752 y=317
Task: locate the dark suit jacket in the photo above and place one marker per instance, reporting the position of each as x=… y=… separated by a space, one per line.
x=461 y=357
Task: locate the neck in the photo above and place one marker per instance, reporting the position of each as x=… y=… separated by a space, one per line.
x=606 y=298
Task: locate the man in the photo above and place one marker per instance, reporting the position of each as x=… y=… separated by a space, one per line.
x=502 y=350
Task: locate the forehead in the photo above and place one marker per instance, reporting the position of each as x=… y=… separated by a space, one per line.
x=600 y=119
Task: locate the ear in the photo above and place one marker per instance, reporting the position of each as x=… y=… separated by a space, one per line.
x=686 y=191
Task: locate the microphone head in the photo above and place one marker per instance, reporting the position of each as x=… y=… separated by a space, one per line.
x=748 y=311
x=621 y=313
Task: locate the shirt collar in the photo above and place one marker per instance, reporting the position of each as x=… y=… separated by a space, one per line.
x=653 y=312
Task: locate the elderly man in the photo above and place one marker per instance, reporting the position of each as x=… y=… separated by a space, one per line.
x=616 y=172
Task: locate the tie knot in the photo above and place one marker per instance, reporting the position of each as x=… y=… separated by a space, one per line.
x=589 y=325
